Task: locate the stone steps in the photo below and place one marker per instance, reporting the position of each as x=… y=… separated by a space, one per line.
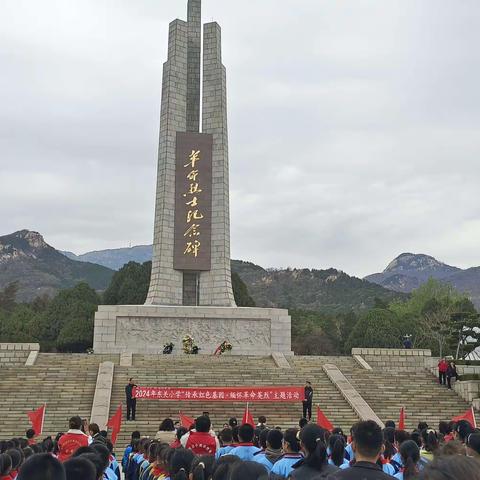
x=227 y=370
x=67 y=391
x=419 y=392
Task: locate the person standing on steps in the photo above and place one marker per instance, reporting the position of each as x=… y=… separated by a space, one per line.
x=131 y=401
x=442 y=371
x=307 y=401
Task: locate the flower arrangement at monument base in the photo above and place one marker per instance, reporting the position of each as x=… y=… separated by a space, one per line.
x=168 y=348
x=224 y=347
x=189 y=346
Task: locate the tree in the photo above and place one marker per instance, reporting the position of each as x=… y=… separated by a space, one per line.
x=17 y=326
x=129 y=286
x=79 y=303
x=8 y=297
x=76 y=335
x=240 y=292
x=466 y=334
x=436 y=323
x=430 y=311
x=378 y=328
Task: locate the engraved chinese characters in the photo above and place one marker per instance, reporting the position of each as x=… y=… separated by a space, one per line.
x=275 y=394
x=193 y=201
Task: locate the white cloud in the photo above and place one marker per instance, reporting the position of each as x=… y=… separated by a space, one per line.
x=353 y=126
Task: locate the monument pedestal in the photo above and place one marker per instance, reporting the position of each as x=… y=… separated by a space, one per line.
x=145 y=329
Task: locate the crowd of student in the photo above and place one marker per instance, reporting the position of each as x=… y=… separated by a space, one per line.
x=245 y=452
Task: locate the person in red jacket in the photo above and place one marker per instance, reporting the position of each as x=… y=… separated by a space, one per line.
x=71 y=441
x=442 y=371
x=200 y=440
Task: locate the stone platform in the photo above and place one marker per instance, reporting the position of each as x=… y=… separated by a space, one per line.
x=146 y=329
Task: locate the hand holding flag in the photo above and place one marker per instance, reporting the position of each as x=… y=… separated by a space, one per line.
x=185 y=421
x=323 y=421
x=248 y=417
x=37 y=418
x=115 y=423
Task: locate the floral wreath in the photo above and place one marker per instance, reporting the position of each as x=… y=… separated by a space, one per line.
x=225 y=346
x=189 y=346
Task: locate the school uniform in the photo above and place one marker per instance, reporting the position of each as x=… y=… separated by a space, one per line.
x=343 y=466
x=245 y=451
x=397 y=463
x=114 y=466
x=126 y=455
x=109 y=474
x=260 y=458
x=284 y=466
x=224 y=451
x=349 y=453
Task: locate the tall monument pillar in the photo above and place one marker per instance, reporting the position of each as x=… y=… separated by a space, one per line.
x=190 y=287
x=180 y=112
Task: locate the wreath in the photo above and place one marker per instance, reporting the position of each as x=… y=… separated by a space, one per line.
x=225 y=346
x=168 y=348
x=189 y=346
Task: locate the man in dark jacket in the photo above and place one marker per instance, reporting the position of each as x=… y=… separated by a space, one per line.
x=307 y=401
x=367 y=444
x=131 y=401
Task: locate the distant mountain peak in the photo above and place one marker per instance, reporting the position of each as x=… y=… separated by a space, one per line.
x=39 y=269
x=410 y=270
x=413 y=261
x=24 y=243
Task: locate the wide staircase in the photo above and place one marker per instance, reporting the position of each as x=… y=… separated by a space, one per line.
x=66 y=383
x=163 y=370
x=387 y=391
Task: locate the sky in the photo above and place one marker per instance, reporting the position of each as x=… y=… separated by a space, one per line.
x=353 y=126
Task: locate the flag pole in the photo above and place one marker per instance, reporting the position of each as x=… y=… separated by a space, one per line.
x=43 y=416
x=474 y=418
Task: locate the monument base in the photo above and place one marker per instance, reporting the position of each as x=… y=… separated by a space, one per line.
x=145 y=329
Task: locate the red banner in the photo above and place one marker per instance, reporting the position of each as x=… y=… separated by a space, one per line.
x=222 y=394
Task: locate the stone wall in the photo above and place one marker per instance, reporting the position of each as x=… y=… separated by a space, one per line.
x=16 y=354
x=145 y=329
x=397 y=359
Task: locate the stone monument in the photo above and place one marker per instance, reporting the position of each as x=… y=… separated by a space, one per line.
x=190 y=288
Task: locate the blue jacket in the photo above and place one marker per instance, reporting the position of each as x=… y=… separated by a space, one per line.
x=126 y=454
x=283 y=467
x=223 y=451
x=245 y=452
x=263 y=460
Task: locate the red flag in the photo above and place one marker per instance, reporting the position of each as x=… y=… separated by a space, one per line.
x=323 y=421
x=36 y=419
x=248 y=417
x=115 y=423
x=401 y=421
x=469 y=416
x=186 y=421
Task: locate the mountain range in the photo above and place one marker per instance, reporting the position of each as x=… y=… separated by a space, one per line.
x=39 y=269
x=408 y=271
